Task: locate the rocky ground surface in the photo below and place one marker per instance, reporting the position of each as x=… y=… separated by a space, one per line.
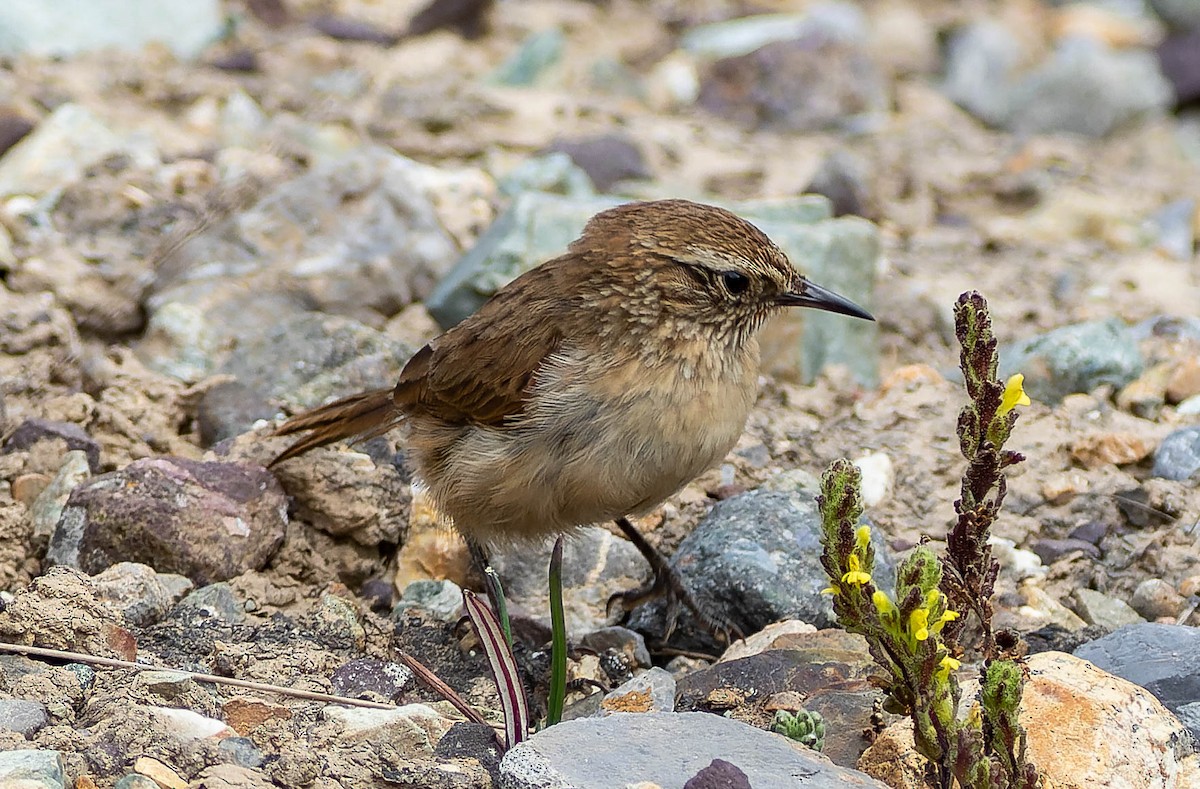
x=278 y=201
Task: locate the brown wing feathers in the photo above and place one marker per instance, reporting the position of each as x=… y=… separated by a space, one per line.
x=478 y=372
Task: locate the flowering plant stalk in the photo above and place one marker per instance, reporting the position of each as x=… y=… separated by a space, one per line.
x=915 y=635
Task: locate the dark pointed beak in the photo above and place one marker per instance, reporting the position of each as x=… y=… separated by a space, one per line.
x=810 y=295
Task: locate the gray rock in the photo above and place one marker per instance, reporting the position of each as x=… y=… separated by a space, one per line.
x=841 y=179
x=32 y=769
x=167 y=685
x=744 y=35
x=13 y=127
x=1051 y=550
x=980 y=59
x=467 y=740
x=48 y=506
x=667 y=749
x=14 y=667
x=442 y=599
x=1097 y=608
x=64 y=144
x=554 y=172
x=836 y=253
x=357 y=235
x=1178 y=456
x=207 y=521
x=829 y=672
x=839 y=254
x=311 y=357
x=1178 y=14
x=381 y=677
x=538 y=53
x=142 y=595
x=23 y=716
x=1075 y=358
x=1171 y=327
x=229 y=409
x=242 y=751
x=755 y=558
x=621 y=640
x=135 y=781
x=1189 y=715
x=34 y=431
x=215 y=601
x=606 y=158
x=335 y=623
x=1173 y=222
x=414 y=728
x=1086 y=88
x=650 y=691
x=1154 y=598
x=1179 y=59
x=70 y=27
x=813 y=83
x=1163 y=659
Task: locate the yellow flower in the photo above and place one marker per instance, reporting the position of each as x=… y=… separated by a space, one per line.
x=862 y=537
x=1014 y=394
x=949 y=616
x=918 y=624
x=855 y=575
x=830 y=590
x=947 y=665
x=883 y=603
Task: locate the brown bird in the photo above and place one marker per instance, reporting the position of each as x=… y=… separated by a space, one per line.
x=592 y=387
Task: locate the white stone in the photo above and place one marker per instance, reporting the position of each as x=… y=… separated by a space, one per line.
x=68 y=27
x=189 y=725
x=63 y=145
x=878 y=477
x=1087 y=730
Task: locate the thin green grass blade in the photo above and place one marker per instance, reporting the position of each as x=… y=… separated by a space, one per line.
x=558 y=644
x=492 y=578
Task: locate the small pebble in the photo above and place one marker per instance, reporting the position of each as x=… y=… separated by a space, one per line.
x=1050 y=551
x=441 y=599
x=134 y=781
x=1155 y=598
x=878 y=477
x=242 y=750
x=23 y=716
x=1178 y=456
x=160 y=773
x=1190 y=586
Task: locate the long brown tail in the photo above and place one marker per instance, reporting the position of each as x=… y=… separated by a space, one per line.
x=360 y=416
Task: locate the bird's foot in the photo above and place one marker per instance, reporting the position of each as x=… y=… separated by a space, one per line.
x=668 y=583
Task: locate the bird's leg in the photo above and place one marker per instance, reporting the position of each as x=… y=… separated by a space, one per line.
x=669 y=583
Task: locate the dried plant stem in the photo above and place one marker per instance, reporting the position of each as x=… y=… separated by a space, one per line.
x=92 y=660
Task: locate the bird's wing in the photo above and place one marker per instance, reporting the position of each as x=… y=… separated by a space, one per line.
x=481 y=371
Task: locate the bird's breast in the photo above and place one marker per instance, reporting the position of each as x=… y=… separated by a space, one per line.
x=595 y=442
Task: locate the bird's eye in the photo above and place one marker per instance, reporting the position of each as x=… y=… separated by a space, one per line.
x=735 y=281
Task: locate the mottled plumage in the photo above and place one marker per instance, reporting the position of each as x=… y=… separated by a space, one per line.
x=593 y=386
